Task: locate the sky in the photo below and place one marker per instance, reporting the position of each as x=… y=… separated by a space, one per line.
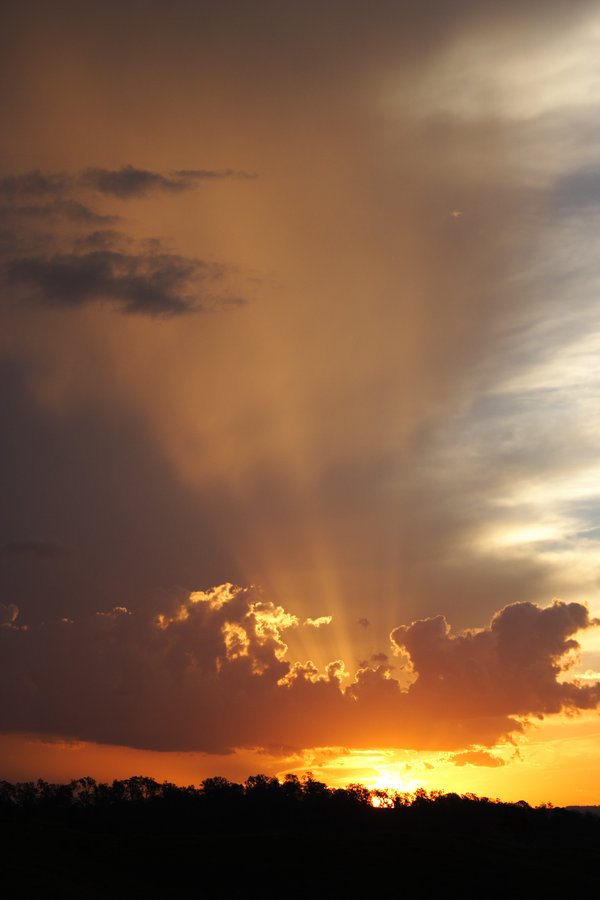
x=299 y=334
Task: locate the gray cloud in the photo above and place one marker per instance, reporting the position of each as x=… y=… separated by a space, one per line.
x=579 y=189
x=103 y=239
x=209 y=174
x=154 y=284
x=104 y=265
x=128 y=182
x=124 y=183
x=72 y=210
x=34 y=184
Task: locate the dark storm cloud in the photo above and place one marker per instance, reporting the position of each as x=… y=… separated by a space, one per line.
x=153 y=284
x=129 y=182
x=213 y=674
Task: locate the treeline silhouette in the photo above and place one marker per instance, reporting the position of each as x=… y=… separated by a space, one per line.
x=266 y=801
x=295 y=838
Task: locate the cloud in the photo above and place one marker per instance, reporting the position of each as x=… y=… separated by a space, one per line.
x=477 y=758
x=90 y=263
x=103 y=239
x=579 y=189
x=509 y=668
x=128 y=182
x=8 y=614
x=124 y=183
x=210 y=174
x=321 y=620
x=152 y=284
x=114 y=613
x=214 y=673
x=34 y=184
x=69 y=209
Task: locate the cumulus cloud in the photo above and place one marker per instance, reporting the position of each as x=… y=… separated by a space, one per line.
x=320 y=620
x=114 y=613
x=509 y=668
x=214 y=673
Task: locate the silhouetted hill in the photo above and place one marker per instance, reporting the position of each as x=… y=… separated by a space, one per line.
x=290 y=839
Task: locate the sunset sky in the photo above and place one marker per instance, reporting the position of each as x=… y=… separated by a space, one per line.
x=300 y=391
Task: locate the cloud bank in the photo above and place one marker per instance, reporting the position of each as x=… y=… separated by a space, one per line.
x=215 y=674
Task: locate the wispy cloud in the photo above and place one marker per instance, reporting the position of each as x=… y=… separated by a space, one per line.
x=96 y=264
x=153 y=284
x=73 y=210
x=128 y=182
x=123 y=183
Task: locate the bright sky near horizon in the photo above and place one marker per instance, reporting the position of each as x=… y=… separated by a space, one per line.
x=299 y=340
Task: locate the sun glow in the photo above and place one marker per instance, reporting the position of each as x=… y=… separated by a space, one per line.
x=522 y=534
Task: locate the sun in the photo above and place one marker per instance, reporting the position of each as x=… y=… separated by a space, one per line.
x=393 y=780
